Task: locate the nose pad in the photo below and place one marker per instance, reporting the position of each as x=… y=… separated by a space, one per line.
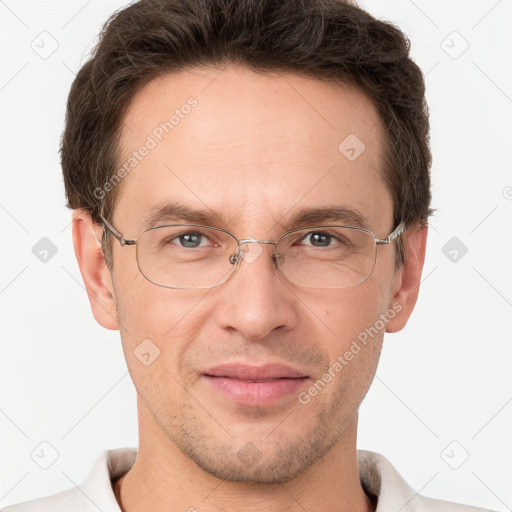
x=251 y=251
x=248 y=251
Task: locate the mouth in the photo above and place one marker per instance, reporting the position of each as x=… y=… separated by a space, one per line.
x=255 y=386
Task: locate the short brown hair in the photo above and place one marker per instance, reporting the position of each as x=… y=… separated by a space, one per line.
x=332 y=40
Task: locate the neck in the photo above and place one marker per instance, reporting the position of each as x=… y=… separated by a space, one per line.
x=163 y=479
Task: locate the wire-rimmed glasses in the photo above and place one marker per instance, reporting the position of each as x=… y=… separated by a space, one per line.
x=194 y=256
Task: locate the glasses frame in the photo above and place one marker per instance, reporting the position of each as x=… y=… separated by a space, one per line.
x=237 y=256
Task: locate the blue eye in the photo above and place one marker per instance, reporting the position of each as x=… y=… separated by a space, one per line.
x=191 y=240
x=325 y=239
x=319 y=238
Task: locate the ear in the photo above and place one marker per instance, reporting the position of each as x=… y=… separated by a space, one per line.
x=96 y=276
x=406 y=281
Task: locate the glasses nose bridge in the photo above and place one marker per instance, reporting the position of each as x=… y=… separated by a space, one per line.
x=237 y=256
x=256 y=240
x=246 y=241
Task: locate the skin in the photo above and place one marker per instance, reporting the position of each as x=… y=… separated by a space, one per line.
x=253 y=151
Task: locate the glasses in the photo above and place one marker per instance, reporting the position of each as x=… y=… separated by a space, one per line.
x=191 y=256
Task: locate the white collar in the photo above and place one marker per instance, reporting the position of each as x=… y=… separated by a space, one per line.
x=378 y=477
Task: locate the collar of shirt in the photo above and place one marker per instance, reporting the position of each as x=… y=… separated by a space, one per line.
x=378 y=478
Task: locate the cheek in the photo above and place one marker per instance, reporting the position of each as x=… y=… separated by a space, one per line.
x=353 y=327
x=158 y=326
x=344 y=313
x=155 y=334
x=355 y=346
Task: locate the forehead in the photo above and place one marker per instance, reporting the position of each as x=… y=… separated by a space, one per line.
x=250 y=147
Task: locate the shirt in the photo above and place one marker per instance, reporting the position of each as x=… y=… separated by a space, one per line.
x=378 y=478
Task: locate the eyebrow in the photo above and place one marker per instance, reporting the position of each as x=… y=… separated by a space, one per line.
x=174 y=212
x=338 y=214
x=306 y=216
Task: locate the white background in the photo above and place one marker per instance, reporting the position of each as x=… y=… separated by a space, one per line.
x=445 y=378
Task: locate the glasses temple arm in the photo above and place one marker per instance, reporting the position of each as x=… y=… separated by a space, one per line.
x=395 y=234
x=122 y=240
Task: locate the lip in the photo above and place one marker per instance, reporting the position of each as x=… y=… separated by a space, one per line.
x=256 y=386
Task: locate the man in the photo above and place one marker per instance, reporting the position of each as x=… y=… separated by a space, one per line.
x=250 y=185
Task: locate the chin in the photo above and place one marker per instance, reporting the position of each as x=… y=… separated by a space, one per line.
x=259 y=460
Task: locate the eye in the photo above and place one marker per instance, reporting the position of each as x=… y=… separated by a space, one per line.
x=324 y=239
x=189 y=240
x=318 y=239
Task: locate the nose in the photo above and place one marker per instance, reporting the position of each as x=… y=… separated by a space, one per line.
x=257 y=300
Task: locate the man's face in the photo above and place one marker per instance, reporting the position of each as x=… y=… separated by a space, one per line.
x=253 y=151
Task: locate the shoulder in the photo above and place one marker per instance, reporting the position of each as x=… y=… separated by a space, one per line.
x=424 y=504
x=70 y=499
x=93 y=494
x=379 y=478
